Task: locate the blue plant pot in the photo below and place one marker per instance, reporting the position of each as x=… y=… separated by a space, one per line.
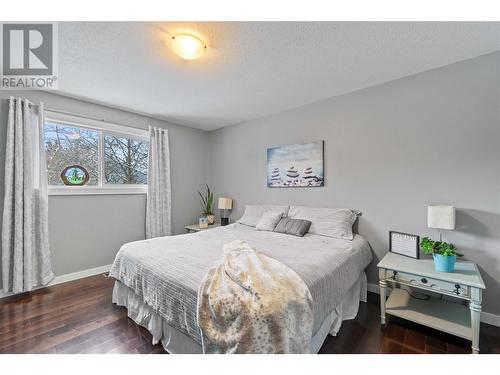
x=444 y=264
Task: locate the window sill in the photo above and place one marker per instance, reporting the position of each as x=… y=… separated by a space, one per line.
x=90 y=190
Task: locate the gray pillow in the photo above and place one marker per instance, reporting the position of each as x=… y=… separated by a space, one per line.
x=253 y=213
x=297 y=227
x=269 y=220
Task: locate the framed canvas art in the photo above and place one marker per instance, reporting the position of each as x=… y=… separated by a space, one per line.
x=297 y=165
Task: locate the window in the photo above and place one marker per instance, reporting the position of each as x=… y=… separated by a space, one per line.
x=66 y=145
x=125 y=160
x=114 y=156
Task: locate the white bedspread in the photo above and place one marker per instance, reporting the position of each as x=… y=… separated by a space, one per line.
x=166 y=272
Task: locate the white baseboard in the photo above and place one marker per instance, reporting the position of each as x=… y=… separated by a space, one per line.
x=79 y=274
x=486 y=317
x=69 y=277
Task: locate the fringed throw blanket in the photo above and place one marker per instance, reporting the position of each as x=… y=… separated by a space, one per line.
x=250 y=303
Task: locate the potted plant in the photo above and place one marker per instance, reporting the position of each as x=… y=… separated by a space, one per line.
x=444 y=254
x=207 y=202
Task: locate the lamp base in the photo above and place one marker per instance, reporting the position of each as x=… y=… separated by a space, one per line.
x=224 y=221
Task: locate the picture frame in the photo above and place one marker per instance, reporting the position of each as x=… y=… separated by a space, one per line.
x=405 y=244
x=203 y=222
x=298 y=165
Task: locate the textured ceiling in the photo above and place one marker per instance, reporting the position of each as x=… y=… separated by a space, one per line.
x=251 y=69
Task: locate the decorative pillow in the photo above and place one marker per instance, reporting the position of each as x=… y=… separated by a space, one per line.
x=331 y=222
x=297 y=227
x=269 y=220
x=253 y=213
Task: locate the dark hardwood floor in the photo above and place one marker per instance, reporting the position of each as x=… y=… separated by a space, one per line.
x=78 y=317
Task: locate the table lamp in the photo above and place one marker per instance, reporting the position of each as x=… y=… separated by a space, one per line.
x=225 y=204
x=441 y=217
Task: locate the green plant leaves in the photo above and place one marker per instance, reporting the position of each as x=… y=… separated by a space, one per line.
x=207 y=201
x=437 y=247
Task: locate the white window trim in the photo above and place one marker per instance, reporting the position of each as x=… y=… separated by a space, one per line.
x=104 y=128
x=97 y=190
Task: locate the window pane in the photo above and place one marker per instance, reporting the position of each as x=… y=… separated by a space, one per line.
x=66 y=146
x=125 y=160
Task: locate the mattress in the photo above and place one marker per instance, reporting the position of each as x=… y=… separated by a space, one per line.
x=166 y=272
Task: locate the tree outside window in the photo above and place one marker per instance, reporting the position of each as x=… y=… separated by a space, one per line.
x=125 y=160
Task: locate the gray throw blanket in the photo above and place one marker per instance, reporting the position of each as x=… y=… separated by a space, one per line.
x=251 y=303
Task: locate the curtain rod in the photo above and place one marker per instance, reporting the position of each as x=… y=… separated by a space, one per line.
x=80 y=115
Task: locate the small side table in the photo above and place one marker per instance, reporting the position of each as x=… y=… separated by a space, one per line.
x=447 y=316
x=196 y=228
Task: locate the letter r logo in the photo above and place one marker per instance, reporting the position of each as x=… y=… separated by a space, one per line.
x=27 y=49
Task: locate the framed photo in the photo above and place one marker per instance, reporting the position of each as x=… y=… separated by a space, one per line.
x=203 y=222
x=404 y=244
x=297 y=165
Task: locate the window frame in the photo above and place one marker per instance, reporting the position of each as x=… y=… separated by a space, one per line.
x=103 y=128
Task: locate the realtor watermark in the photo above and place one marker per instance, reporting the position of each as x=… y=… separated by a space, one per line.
x=29 y=56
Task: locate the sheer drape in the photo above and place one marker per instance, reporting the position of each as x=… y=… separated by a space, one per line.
x=159 y=195
x=25 y=235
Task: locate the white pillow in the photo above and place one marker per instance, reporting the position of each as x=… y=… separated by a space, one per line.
x=269 y=220
x=253 y=213
x=331 y=222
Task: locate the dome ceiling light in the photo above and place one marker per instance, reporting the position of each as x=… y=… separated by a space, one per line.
x=188 y=46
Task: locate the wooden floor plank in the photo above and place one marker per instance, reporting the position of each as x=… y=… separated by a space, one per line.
x=78 y=317
x=414 y=340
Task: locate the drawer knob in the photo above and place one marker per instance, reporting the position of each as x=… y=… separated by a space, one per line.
x=423 y=280
x=394 y=273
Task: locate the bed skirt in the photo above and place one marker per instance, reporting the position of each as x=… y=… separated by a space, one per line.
x=176 y=342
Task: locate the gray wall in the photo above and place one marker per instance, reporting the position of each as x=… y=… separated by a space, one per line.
x=390 y=150
x=105 y=222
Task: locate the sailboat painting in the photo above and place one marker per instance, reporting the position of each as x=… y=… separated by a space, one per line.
x=298 y=165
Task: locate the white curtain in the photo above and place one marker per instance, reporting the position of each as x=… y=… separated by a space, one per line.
x=159 y=194
x=25 y=234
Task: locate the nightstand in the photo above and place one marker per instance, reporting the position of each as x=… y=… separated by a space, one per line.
x=439 y=313
x=196 y=228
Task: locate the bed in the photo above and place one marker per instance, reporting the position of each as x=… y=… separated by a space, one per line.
x=157 y=280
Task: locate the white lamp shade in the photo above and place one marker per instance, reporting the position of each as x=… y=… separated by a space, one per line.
x=225 y=203
x=441 y=217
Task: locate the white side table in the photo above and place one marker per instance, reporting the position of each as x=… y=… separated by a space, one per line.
x=196 y=228
x=445 y=315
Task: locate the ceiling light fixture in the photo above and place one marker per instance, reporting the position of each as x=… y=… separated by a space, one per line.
x=188 y=46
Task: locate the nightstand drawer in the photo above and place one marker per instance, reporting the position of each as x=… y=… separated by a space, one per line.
x=432 y=284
